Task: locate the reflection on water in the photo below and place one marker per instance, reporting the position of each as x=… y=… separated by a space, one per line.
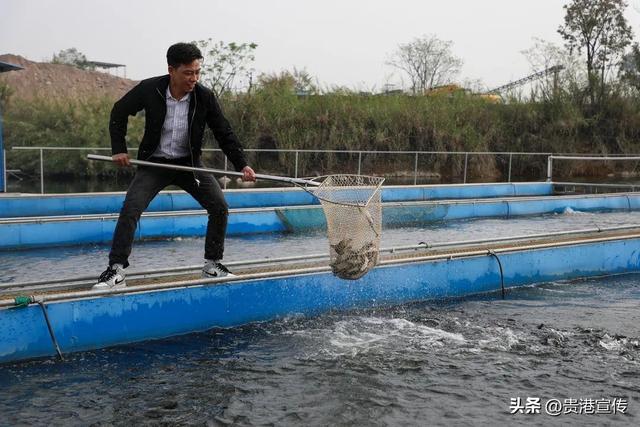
x=117 y=183
x=120 y=183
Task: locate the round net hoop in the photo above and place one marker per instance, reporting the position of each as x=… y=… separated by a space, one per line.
x=353 y=208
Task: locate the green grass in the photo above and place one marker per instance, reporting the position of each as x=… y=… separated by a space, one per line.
x=271 y=119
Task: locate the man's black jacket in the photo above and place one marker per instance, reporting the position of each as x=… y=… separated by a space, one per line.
x=149 y=95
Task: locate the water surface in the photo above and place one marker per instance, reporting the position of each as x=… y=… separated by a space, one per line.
x=452 y=362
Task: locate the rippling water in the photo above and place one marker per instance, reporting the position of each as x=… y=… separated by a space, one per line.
x=454 y=362
x=458 y=361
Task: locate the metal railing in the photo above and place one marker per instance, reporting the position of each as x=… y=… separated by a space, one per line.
x=553 y=157
x=298 y=152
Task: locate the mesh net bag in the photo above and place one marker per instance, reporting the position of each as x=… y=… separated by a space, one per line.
x=353 y=209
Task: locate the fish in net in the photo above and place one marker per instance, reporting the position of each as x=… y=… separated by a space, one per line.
x=353 y=208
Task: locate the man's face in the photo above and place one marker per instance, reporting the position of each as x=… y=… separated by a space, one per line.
x=185 y=76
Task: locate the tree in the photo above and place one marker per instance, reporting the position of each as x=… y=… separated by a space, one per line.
x=298 y=82
x=544 y=55
x=225 y=64
x=428 y=61
x=598 y=29
x=72 y=57
x=630 y=68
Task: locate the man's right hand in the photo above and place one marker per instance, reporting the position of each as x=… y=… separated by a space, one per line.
x=121 y=159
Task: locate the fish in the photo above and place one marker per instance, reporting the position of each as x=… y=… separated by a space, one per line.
x=342 y=245
x=350 y=263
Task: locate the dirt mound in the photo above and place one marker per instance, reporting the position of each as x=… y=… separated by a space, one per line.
x=42 y=79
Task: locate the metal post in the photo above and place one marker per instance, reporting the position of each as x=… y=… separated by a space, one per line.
x=4 y=175
x=415 y=170
x=4 y=170
x=549 y=168
x=295 y=174
x=50 y=328
x=359 y=162
x=466 y=160
x=510 y=159
x=41 y=173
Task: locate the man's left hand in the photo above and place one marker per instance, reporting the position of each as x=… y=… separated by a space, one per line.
x=248 y=174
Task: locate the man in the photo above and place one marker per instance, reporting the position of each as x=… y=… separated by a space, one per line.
x=177 y=109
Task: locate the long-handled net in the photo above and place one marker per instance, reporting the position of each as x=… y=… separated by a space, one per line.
x=353 y=209
x=351 y=204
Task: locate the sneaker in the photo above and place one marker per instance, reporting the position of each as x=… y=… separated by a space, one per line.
x=112 y=278
x=215 y=269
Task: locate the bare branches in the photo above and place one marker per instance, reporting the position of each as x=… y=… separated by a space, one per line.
x=226 y=63
x=542 y=56
x=428 y=61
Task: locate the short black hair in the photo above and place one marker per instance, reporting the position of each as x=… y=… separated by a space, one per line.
x=182 y=54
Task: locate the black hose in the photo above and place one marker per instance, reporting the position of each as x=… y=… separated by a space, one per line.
x=51 y=333
x=493 y=254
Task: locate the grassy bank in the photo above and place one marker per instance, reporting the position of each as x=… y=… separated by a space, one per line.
x=348 y=122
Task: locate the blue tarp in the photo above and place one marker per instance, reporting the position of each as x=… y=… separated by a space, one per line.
x=108 y=203
x=97 y=322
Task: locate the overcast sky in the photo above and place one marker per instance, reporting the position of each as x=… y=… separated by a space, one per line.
x=341 y=42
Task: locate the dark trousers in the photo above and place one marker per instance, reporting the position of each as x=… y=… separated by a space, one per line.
x=146 y=184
